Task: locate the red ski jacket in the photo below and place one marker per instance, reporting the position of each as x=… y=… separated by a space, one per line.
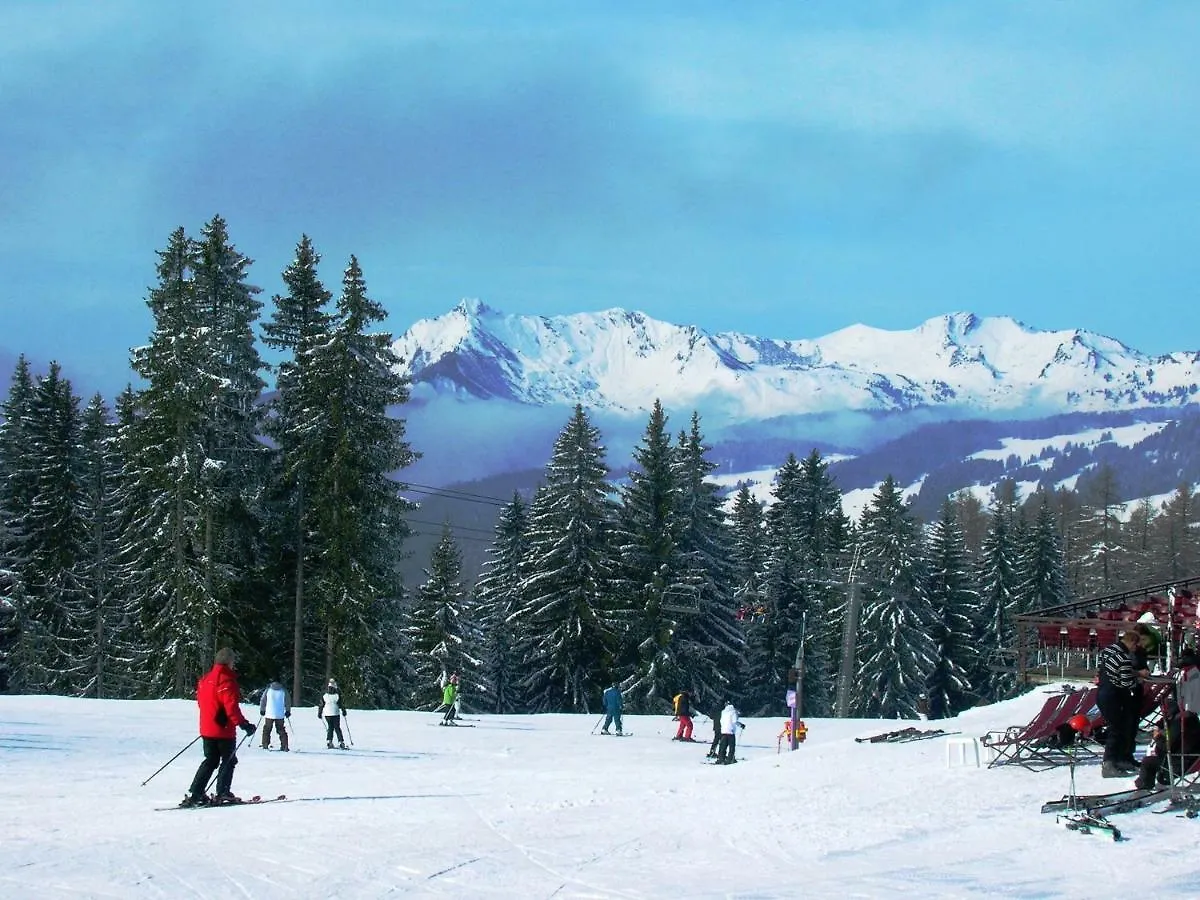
x=218 y=696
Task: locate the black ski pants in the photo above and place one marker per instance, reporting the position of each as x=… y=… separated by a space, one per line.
x=219 y=756
x=1120 y=721
x=333 y=725
x=727 y=749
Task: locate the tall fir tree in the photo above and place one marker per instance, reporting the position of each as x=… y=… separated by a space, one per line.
x=166 y=458
x=16 y=492
x=234 y=471
x=566 y=630
x=300 y=322
x=17 y=477
x=954 y=601
x=1040 y=566
x=651 y=571
x=360 y=510
x=822 y=531
x=499 y=595
x=54 y=540
x=111 y=651
x=709 y=645
x=1177 y=536
x=441 y=634
x=897 y=650
x=998 y=584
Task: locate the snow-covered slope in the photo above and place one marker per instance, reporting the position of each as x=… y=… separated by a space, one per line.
x=620 y=361
x=536 y=806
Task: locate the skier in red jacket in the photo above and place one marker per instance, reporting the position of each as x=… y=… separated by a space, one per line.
x=218 y=694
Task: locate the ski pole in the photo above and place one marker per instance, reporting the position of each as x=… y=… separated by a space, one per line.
x=290 y=730
x=346 y=721
x=173 y=758
x=597 y=725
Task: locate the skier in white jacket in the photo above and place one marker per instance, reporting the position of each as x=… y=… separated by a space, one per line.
x=727 y=748
x=331 y=710
x=275 y=707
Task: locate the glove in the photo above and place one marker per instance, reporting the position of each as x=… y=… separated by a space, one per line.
x=345 y=712
x=288 y=714
x=248 y=727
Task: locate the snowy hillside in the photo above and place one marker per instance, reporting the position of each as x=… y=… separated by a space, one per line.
x=537 y=806
x=620 y=361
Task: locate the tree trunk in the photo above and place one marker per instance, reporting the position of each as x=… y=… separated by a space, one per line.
x=298 y=624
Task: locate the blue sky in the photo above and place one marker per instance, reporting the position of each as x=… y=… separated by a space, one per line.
x=783 y=169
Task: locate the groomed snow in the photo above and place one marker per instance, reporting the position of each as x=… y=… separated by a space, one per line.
x=538 y=807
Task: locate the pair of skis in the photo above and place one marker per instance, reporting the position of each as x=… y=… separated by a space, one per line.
x=256 y=800
x=1109 y=804
x=904 y=736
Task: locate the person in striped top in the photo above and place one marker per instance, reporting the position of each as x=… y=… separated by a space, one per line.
x=1118 y=699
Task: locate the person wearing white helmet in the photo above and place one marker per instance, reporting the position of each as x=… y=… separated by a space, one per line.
x=331 y=709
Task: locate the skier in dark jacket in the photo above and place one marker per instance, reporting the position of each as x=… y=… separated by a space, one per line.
x=714 y=713
x=217 y=695
x=613 y=704
x=683 y=712
x=1178 y=735
x=1118 y=697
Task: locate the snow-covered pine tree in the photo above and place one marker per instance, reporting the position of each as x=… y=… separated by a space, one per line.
x=748 y=552
x=234 y=472
x=565 y=629
x=300 y=321
x=1177 y=536
x=896 y=651
x=498 y=592
x=54 y=538
x=650 y=571
x=129 y=580
x=111 y=656
x=360 y=511
x=710 y=647
x=822 y=529
x=16 y=489
x=954 y=601
x=165 y=454
x=805 y=532
x=771 y=636
x=441 y=635
x=17 y=478
x=997 y=582
x=1041 y=569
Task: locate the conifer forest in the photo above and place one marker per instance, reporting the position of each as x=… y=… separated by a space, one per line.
x=200 y=509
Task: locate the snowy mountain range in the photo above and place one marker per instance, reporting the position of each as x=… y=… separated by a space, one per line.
x=956 y=364
x=959 y=402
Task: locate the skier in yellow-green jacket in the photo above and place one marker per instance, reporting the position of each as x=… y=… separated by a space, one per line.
x=450 y=700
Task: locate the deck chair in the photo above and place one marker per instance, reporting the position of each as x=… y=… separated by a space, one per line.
x=1038 y=745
